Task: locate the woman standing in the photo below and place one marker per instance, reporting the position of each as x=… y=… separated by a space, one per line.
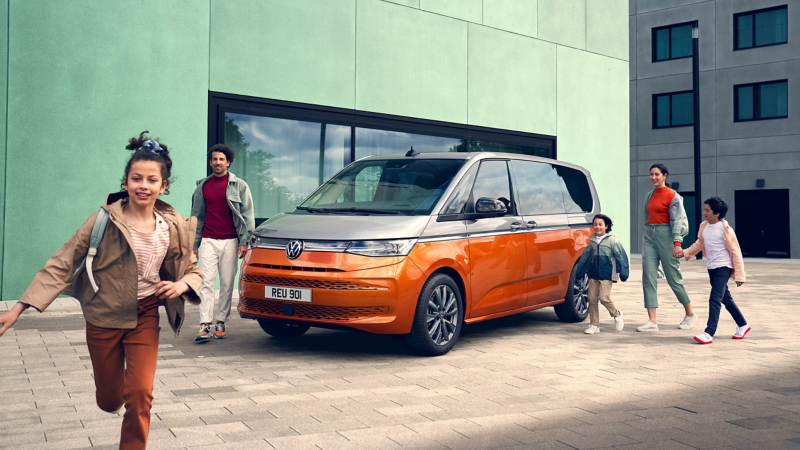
x=665 y=226
x=144 y=260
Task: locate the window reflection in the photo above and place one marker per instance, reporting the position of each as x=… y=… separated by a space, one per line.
x=283 y=160
x=371 y=142
x=496 y=147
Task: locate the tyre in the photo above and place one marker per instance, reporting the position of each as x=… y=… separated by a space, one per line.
x=282 y=329
x=576 y=304
x=438 y=318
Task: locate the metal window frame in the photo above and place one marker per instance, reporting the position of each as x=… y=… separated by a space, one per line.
x=655 y=110
x=655 y=30
x=757 y=100
x=220 y=103
x=753 y=13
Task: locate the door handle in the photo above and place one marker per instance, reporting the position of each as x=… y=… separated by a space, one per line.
x=532 y=224
x=516 y=226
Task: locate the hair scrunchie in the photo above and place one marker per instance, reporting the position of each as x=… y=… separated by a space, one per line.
x=151 y=146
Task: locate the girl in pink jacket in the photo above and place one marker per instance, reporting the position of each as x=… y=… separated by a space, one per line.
x=718 y=242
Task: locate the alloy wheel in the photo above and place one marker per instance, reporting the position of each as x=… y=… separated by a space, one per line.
x=442 y=315
x=580 y=292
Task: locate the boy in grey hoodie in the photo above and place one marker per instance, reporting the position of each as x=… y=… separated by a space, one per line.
x=603 y=259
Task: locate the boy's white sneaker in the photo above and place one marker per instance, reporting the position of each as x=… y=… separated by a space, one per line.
x=649 y=326
x=704 y=338
x=741 y=331
x=687 y=323
x=618 y=323
x=592 y=330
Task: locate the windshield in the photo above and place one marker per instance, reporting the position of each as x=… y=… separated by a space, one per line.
x=389 y=186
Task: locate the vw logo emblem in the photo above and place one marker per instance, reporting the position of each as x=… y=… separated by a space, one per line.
x=293 y=249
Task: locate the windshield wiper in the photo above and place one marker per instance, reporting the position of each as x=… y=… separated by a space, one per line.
x=312 y=210
x=373 y=211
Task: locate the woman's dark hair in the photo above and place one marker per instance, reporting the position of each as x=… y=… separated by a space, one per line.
x=224 y=149
x=605 y=219
x=149 y=151
x=663 y=169
x=718 y=205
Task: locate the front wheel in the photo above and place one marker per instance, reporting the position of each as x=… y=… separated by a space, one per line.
x=438 y=318
x=283 y=329
x=576 y=304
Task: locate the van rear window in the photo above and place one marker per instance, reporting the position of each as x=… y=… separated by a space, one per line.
x=575 y=190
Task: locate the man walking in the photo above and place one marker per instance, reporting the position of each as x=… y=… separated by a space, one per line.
x=224 y=209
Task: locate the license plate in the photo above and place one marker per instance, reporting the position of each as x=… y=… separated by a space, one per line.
x=287 y=293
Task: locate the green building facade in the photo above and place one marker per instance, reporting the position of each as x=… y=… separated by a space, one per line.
x=300 y=88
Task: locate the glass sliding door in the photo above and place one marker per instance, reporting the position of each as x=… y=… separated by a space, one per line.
x=284 y=160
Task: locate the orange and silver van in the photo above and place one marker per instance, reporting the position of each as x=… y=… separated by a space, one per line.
x=421 y=245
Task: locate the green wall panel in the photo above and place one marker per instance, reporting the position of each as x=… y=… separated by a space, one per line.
x=469 y=10
x=593 y=127
x=410 y=62
x=3 y=105
x=411 y=3
x=511 y=15
x=607 y=27
x=512 y=81
x=85 y=76
x=302 y=51
x=563 y=22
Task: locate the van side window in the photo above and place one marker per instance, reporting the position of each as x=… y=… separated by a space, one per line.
x=539 y=188
x=492 y=182
x=460 y=196
x=575 y=189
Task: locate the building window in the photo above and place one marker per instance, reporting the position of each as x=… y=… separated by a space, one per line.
x=760 y=101
x=760 y=28
x=674 y=109
x=672 y=42
x=286 y=150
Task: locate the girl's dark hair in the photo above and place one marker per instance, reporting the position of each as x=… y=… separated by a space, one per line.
x=663 y=169
x=224 y=149
x=148 y=154
x=605 y=219
x=718 y=205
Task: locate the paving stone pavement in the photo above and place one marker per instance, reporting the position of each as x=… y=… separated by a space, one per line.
x=524 y=381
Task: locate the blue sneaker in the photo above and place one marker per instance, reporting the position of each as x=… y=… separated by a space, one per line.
x=219 y=332
x=204 y=333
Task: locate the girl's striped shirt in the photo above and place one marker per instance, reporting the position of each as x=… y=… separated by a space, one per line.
x=150 y=250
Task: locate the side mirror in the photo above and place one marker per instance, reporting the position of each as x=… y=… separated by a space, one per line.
x=490 y=207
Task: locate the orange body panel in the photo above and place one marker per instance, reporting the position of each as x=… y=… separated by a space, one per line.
x=498 y=273
x=550 y=257
x=379 y=295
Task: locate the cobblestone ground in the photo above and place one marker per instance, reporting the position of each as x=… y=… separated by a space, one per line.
x=525 y=381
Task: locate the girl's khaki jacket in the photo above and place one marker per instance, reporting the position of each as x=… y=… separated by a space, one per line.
x=115 y=305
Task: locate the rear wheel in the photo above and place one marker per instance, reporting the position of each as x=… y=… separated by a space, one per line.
x=282 y=328
x=438 y=318
x=576 y=304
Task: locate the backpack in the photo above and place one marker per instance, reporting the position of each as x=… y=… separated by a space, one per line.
x=98 y=230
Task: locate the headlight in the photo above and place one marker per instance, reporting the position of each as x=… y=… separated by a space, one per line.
x=396 y=247
x=270 y=243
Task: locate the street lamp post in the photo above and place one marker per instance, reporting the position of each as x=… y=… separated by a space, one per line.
x=696 y=120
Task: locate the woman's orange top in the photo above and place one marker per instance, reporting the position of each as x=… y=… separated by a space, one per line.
x=658 y=206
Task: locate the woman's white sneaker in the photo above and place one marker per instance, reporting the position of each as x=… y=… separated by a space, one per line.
x=592 y=330
x=741 y=331
x=618 y=323
x=704 y=338
x=687 y=323
x=649 y=326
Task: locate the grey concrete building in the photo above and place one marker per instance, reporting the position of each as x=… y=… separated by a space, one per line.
x=749 y=54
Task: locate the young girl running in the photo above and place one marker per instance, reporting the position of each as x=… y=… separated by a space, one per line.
x=600 y=258
x=718 y=242
x=144 y=260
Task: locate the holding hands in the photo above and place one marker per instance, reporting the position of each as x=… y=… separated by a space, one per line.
x=677 y=252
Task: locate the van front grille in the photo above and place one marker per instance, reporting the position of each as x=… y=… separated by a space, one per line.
x=296 y=268
x=258 y=306
x=311 y=284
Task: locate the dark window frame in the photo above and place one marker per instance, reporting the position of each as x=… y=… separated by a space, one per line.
x=655 y=110
x=753 y=13
x=654 y=41
x=220 y=103
x=756 y=100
